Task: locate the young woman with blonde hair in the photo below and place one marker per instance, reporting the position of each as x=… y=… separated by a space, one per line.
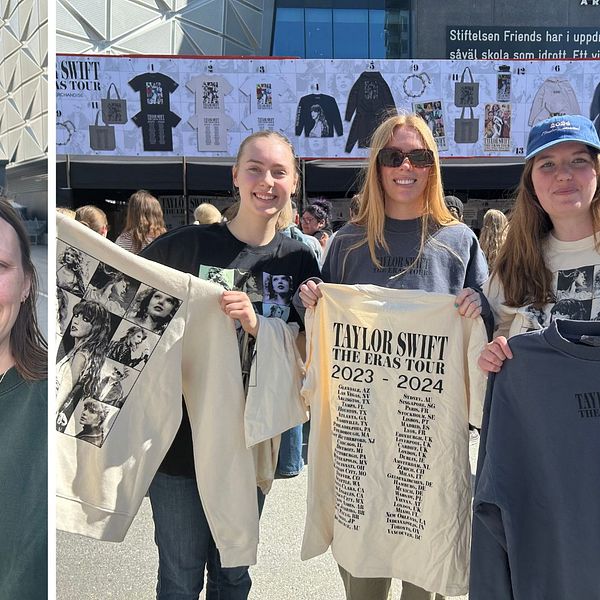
x=492 y=235
x=246 y=249
x=144 y=222
x=403 y=237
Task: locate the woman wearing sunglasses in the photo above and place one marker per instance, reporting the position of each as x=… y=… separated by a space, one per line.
x=403 y=237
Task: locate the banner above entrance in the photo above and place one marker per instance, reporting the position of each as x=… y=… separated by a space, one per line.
x=174 y=106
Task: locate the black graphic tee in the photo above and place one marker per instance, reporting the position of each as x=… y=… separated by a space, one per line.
x=155 y=117
x=318 y=115
x=269 y=275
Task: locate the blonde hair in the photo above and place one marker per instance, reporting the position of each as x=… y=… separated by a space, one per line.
x=492 y=235
x=371 y=214
x=67 y=212
x=207 y=213
x=145 y=219
x=92 y=217
x=286 y=214
x=520 y=266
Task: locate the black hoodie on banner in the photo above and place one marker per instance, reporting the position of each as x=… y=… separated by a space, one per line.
x=371 y=99
x=155 y=117
x=318 y=115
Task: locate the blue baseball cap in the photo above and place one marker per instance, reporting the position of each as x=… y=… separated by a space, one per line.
x=563 y=128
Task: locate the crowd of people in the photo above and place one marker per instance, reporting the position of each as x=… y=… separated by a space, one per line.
x=524 y=271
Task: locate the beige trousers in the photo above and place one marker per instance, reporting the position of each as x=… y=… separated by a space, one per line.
x=378 y=588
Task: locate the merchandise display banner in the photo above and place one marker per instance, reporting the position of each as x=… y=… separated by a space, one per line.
x=157 y=106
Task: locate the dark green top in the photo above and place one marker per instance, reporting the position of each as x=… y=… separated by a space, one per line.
x=23 y=488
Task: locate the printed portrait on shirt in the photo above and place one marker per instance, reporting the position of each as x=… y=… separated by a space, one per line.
x=112 y=289
x=92 y=421
x=153 y=309
x=222 y=277
x=73 y=269
x=577 y=284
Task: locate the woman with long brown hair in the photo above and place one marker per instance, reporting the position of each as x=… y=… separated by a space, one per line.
x=144 y=222
x=553 y=236
x=243 y=252
x=23 y=406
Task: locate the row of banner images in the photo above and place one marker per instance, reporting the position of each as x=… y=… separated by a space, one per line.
x=129 y=106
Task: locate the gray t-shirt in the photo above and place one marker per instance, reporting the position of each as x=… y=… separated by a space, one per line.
x=451 y=259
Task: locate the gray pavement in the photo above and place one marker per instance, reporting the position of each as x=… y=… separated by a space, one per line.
x=91 y=570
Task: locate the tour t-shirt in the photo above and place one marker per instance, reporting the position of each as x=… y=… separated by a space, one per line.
x=392 y=385
x=575 y=268
x=155 y=117
x=210 y=119
x=269 y=274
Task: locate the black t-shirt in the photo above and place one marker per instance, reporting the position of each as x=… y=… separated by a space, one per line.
x=155 y=117
x=269 y=274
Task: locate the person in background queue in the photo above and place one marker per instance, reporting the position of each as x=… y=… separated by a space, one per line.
x=144 y=222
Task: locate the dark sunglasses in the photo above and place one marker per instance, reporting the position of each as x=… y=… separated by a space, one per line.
x=391 y=157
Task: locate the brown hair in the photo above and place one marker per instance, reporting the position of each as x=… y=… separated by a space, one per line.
x=371 y=214
x=27 y=344
x=492 y=235
x=145 y=219
x=285 y=216
x=520 y=266
x=92 y=217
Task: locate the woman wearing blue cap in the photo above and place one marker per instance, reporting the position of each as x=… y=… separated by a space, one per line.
x=553 y=236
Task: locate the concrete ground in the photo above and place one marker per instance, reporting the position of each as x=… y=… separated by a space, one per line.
x=91 y=570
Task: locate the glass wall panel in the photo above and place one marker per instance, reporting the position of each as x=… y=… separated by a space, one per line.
x=288 y=37
x=350 y=33
x=319 y=35
x=376 y=34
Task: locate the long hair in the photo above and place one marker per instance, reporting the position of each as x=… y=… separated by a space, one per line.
x=131 y=332
x=285 y=215
x=145 y=219
x=371 y=214
x=76 y=267
x=95 y=344
x=520 y=266
x=27 y=344
x=493 y=233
